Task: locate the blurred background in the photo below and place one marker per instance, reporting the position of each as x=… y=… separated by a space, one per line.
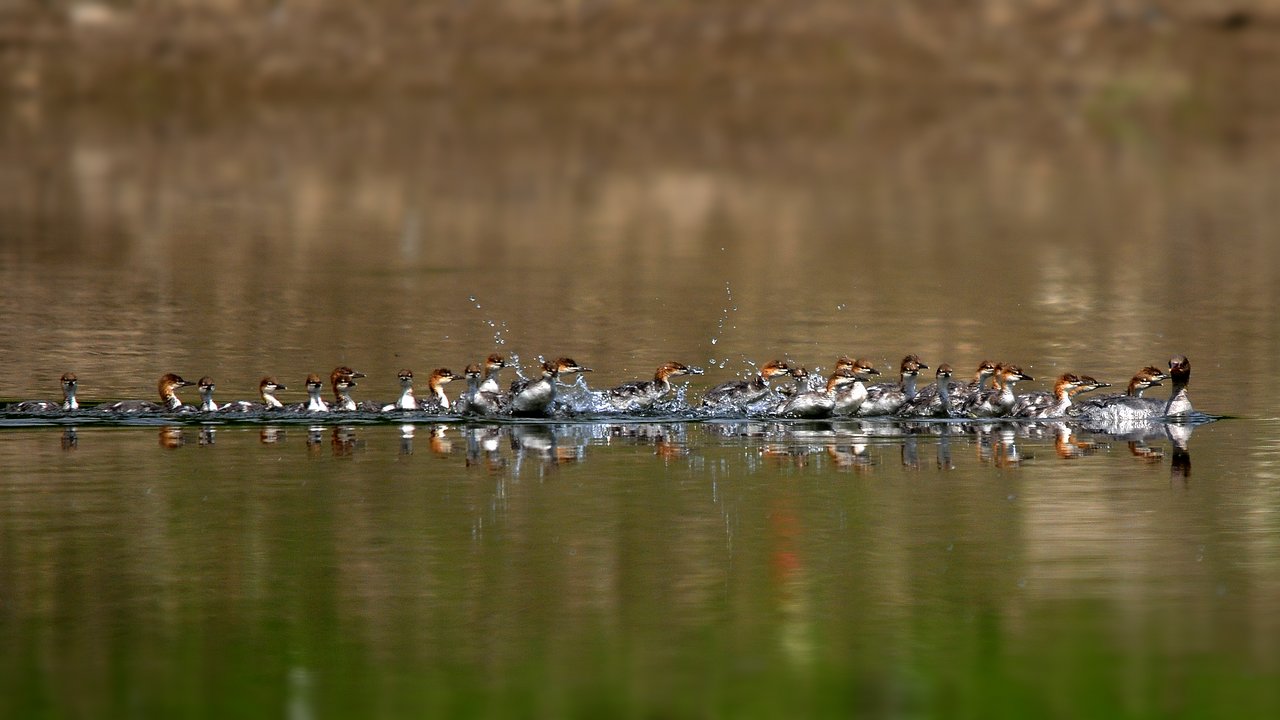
x=246 y=187
x=240 y=186
x=223 y=51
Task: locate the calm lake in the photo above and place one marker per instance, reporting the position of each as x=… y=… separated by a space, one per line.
x=676 y=569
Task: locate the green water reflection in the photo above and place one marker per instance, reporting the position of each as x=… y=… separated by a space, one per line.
x=668 y=570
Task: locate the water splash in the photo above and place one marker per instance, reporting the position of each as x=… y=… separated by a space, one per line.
x=725 y=315
x=499 y=327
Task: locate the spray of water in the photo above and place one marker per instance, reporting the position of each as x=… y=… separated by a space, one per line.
x=499 y=327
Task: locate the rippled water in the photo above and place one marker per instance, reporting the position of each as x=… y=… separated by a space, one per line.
x=722 y=568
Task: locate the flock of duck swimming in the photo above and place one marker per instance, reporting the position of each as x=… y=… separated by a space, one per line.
x=846 y=392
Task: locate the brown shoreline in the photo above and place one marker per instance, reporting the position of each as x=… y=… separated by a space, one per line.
x=219 y=52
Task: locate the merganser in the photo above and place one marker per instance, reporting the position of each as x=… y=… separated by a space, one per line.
x=818 y=403
x=535 y=398
x=741 y=393
x=999 y=400
x=851 y=396
x=476 y=401
x=267 y=388
x=1041 y=404
x=962 y=392
x=406 y=401
x=1138 y=409
x=800 y=380
x=167 y=387
x=1087 y=384
x=342 y=379
x=567 y=366
x=492 y=366
x=1179 y=404
x=315 y=403
x=1147 y=377
x=436 y=383
x=642 y=394
x=206 y=386
x=886 y=398
x=934 y=400
x=68 y=381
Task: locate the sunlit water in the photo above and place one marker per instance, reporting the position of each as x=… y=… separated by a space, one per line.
x=706 y=568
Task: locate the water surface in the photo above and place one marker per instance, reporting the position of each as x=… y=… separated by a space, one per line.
x=686 y=569
x=681 y=569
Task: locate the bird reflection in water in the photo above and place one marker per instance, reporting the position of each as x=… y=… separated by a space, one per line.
x=440 y=443
x=790 y=578
x=171 y=437
x=406 y=438
x=667 y=439
x=911 y=452
x=1070 y=447
x=484 y=447
x=852 y=456
x=944 y=447
x=813 y=446
x=315 y=439
x=343 y=441
x=542 y=443
x=1180 y=435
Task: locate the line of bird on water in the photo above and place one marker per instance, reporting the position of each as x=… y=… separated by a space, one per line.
x=845 y=393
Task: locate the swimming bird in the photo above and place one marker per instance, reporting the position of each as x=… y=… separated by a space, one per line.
x=206 y=387
x=167 y=387
x=933 y=401
x=816 y=404
x=1114 y=405
x=738 y=394
x=1042 y=404
x=642 y=394
x=406 y=401
x=267 y=388
x=851 y=396
x=68 y=381
x=535 y=398
x=492 y=366
x=342 y=379
x=886 y=398
x=439 y=377
x=475 y=401
x=999 y=400
x=1130 y=409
